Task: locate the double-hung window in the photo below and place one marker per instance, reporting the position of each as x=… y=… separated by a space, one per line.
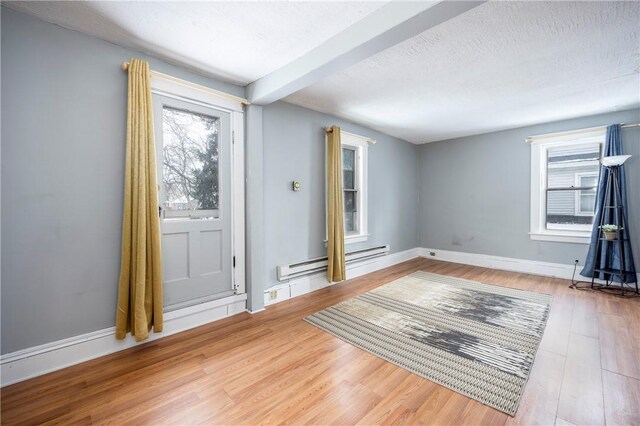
x=564 y=179
x=354 y=184
x=351 y=189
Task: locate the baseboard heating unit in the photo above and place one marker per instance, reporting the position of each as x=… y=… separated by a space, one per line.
x=319 y=264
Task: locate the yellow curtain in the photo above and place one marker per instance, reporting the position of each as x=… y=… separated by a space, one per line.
x=140 y=286
x=335 y=210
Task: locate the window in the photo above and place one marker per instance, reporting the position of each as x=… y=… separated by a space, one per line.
x=190 y=164
x=349 y=170
x=354 y=183
x=564 y=178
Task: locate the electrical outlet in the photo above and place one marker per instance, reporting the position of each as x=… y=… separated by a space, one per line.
x=273 y=294
x=432 y=253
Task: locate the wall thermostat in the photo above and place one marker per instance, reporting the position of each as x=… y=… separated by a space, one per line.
x=295 y=185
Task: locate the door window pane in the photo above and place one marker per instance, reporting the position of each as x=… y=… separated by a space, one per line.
x=190 y=172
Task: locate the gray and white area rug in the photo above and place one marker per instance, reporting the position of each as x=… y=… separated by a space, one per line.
x=477 y=339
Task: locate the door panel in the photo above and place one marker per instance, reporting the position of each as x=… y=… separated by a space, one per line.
x=175 y=253
x=194 y=169
x=210 y=245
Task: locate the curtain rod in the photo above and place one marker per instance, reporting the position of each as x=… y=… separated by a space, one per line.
x=530 y=139
x=369 y=140
x=125 y=67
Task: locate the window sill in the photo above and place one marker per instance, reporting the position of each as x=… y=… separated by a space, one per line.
x=561 y=237
x=352 y=239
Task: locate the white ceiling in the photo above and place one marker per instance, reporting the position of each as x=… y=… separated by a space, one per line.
x=501 y=65
x=235 y=41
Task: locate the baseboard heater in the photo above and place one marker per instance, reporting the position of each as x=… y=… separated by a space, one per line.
x=319 y=264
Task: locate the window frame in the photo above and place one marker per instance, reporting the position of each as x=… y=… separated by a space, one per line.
x=540 y=146
x=356 y=189
x=182 y=90
x=360 y=144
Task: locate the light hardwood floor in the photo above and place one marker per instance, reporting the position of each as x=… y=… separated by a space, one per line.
x=272 y=367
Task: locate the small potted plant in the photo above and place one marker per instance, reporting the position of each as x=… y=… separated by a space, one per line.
x=611 y=231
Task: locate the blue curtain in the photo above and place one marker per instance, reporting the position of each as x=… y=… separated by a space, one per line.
x=609 y=254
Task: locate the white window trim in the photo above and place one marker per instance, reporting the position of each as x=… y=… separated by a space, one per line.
x=361 y=146
x=578 y=194
x=200 y=95
x=539 y=148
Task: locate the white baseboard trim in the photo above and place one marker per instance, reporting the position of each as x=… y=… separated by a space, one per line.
x=548 y=269
x=302 y=285
x=32 y=362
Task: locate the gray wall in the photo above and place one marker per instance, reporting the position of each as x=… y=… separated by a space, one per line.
x=63 y=131
x=295 y=221
x=475 y=192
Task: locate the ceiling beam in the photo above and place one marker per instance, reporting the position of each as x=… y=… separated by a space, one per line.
x=385 y=27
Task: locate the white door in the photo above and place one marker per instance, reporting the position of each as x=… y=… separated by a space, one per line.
x=194 y=172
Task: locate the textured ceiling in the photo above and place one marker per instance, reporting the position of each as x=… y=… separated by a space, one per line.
x=501 y=65
x=235 y=41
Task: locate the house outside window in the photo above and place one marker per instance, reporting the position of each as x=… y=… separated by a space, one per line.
x=564 y=178
x=586 y=196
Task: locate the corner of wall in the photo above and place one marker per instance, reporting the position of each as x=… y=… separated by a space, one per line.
x=255 y=243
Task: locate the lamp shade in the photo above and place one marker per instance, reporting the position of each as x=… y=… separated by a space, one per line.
x=615 y=160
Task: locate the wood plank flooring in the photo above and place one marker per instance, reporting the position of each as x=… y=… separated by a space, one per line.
x=272 y=367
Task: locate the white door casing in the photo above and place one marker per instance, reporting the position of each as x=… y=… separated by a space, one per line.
x=203 y=259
